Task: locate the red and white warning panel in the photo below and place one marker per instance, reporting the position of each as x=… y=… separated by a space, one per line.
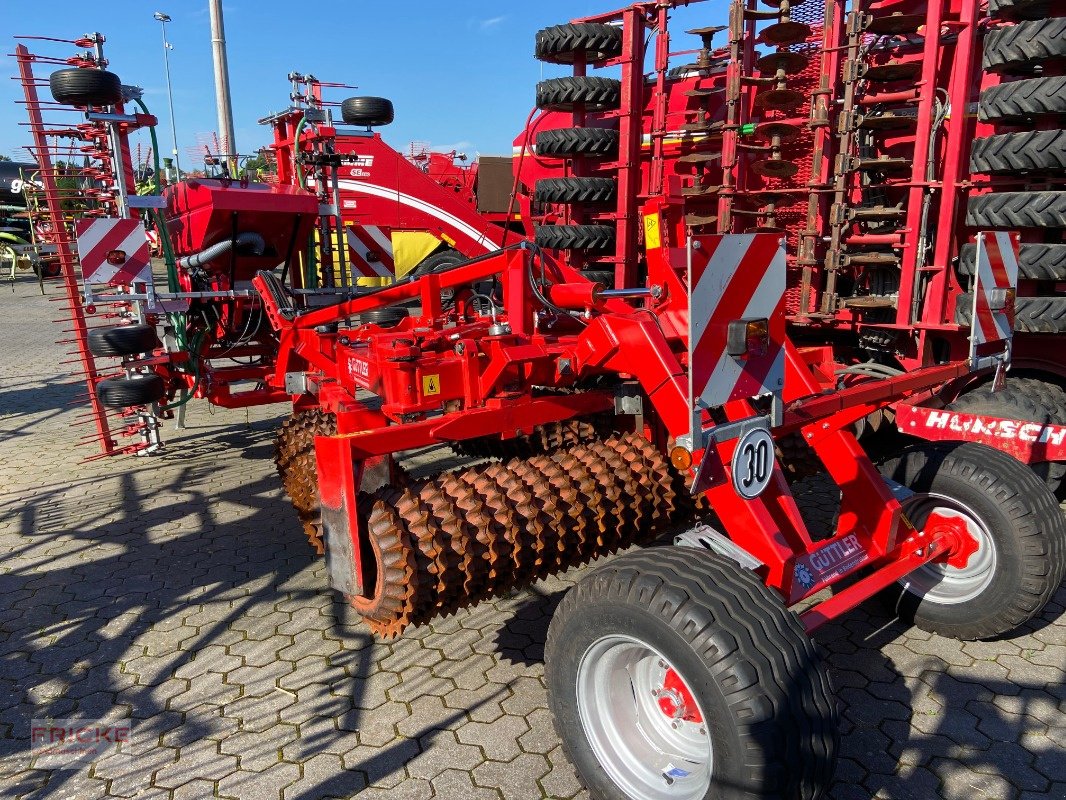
x=113 y=251
x=370 y=251
x=737 y=314
x=994 y=292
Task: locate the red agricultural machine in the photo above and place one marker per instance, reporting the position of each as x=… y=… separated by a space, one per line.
x=736 y=270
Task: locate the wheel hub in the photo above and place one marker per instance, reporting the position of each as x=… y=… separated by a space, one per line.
x=676 y=700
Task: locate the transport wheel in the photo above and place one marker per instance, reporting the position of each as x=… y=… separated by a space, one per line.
x=575 y=237
x=382 y=317
x=572 y=142
x=1027 y=9
x=123 y=340
x=1021 y=99
x=140 y=390
x=1016 y=522
x=1017 y=210
x=1031 y=314
x=85 y=87
x=1025 y=400
x=1024 y=44
x=560 y=44
x=575 y=190
x=438 y=261
x=1038 y=262
x=1019 y=152
x=592 y=94
x=367 y=112
x=605 y=277
x=673 y=673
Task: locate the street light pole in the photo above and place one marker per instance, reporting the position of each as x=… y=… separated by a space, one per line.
x=163 y=20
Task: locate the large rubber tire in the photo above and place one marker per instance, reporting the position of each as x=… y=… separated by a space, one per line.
x=573 y=142
x=1019 y=152
x=592 y=94
x=437 y=261
x=575 y=237
x=1017 y=210
x=745 y=659
x=369 y=112
x=1025 y=44
x=85 y=87
x=139 y=390
x=575 y=190
x=382 y=317
x=604 y=277
x=123 y=340
x=560 y=44
x=1019 y=522
x=1031 y=314
x=1020 y=99
x=1023 y=400
x=1037 y=262
x=1026 y=9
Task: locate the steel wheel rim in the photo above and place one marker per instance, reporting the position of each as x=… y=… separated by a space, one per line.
x=635 y=742
x=942 y=583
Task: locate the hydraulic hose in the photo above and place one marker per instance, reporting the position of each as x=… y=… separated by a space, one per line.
x=157 y=214
x=296 y=151
x=246 y=242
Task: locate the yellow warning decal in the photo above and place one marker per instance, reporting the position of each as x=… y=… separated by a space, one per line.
x=651 y=231
x=430 y=384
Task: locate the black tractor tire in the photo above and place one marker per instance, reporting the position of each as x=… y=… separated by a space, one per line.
x=1026 y=9
x=745 y=659
x=575 y=190
x=85 y=87
x=1050 y=395
x=604 y=277
x=575 y=237
x=1025 y=44
x=369 y=112
x=592 y=94
x=1022 y=400
x=1017 y=210
x=561 y=44
x=1030 y=151
x=577 y=142
x=1022 y=99
x=123 y=340
x=1031 y=314
x=1018 y=518
x=1036 y=262
x=140 y=390
x=382 y=317
x=435 y=262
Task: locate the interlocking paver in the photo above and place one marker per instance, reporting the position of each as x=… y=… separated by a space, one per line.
x=178 y=591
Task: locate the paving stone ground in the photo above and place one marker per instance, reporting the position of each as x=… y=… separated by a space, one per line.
x=177 y=592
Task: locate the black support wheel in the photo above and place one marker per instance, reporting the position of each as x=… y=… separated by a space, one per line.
x=1026 y=9
x=1016 y=523
x=1009 y=153
x=674 y=673
x=85 y=87
x=591 y=94
x=1017 y=210
x=604 y=277
x=123 y=340
x=382 y=317
x=140 y=390
x=1037 y=262
x=1026 y=44
x=1020 y=100
x=562 y=44
x=435 y=262
x=369 y=112
x=575 y=237
x=577 y=142
x=575 y=190
x=1025 y=400
x=1031 y=314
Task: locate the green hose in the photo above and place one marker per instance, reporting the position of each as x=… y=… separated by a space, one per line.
x=296 y=151
x=157 y=214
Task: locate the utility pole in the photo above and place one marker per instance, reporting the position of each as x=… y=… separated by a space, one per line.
x=222 y=98
x=163 y=20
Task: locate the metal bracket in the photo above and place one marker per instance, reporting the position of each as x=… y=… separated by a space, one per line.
x=628 y=400
x=710 y=468
x=295 y=382
x=707 y=538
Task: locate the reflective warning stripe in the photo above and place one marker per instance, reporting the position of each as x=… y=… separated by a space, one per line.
x=997 y=269
x=98 y=237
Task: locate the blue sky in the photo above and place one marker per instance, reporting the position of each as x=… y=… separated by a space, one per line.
x=460 y=73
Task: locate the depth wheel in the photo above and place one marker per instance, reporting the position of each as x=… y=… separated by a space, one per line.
x=85 y=87
x=561 y=44
x=123 y=340
x=574 y=237
x=591 y=94
x=140 y=390
x=1018 y=527
x=672 y=673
